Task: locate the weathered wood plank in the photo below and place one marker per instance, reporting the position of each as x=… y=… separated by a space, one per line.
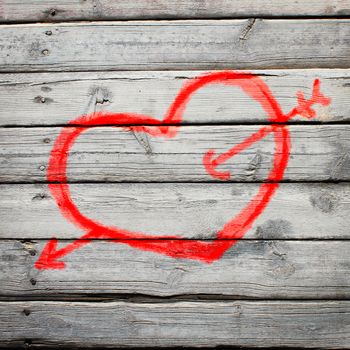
x=68 y=10
x=56 y=98
x=114 y=154
x=297 y=211
x=250 y=269
x=325 y=325
x=211 y=44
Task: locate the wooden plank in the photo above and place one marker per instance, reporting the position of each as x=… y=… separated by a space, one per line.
x=56 y=98
x=324 y=325
x=69 y=10
x=297 y=211
x=151 y=45
x=318 y=153
x=250 y=269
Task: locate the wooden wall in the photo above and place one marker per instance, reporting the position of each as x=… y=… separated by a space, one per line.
x=284 y=284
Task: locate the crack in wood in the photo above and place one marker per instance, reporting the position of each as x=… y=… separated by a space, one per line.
x=247 y=29
x=142 y=140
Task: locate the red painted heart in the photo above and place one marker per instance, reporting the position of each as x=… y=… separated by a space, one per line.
x=174 y=246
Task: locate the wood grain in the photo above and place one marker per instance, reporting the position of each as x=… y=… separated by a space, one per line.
x=151 y=45
x=318 y=153
x=56 y=98
x=250 y=269
x=188 y=210
x=69 y=10
x=285 y=284
x=324 y=325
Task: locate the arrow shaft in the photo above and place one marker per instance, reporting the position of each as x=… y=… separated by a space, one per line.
x=177 y=248
x=102 y=233
x=261 y=133
x=78 y=243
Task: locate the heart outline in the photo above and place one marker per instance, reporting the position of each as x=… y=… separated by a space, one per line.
x=172 y=246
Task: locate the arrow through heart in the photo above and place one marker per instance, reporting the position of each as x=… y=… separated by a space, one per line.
x=174 y=246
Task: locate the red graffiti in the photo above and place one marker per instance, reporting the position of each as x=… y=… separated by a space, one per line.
x=174 y=246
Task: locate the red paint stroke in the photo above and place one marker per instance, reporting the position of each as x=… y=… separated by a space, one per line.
x=174 y=246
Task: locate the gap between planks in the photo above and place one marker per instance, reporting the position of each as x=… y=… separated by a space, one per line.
x=238 y=123
x=140 y=298
x=174 y=19
x=77 y=182
x=110 y=240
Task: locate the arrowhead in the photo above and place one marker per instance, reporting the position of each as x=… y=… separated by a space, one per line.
x=318 y=96
x=48 y=257
x=210 y=165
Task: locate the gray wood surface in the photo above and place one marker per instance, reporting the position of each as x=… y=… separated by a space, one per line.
x=285 y=284
x=250 y=269
x=30 y=10
x=318 y=153
x=152 y=45
x=56 y=98
x=297 y=211
x=323 y=325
